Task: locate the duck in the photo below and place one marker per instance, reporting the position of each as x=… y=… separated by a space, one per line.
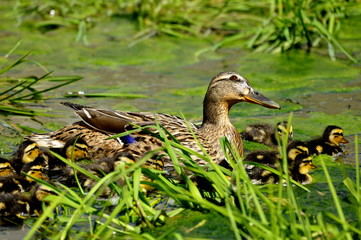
x=267 y=134
x=96 y=126
x=298 y=158
x=329 y=142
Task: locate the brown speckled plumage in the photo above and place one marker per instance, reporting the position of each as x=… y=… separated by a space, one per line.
x=225 y=90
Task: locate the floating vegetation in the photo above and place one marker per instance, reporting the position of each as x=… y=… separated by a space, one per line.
x=17 y=90
x=270 y=26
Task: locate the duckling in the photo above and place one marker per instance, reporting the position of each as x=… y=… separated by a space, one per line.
x=16 y=183
x=37 y=169
x=266 y=133
x=27 y=152
x=12 y=184
x=12 y=205
x=21 y=205
x=259 y=175
x=294 y=148
x=301 y=167
x=6 y=168
x=298 y=160
x=329 y=143
x=225 y=90
x=74 y=149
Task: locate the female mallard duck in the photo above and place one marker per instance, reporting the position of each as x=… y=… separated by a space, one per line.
x=329 y=143
x=299 y=164
x=225 y=90
x=266 y=133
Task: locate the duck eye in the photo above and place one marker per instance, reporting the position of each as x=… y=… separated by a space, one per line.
x=233 y=78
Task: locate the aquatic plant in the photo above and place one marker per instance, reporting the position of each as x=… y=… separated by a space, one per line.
x=252 y=212
x=14 y=91
x=271 y=26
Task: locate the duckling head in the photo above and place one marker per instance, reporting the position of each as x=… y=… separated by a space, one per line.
x=295 y=148
x=76 y=149
x=285 y=129
x=28 y=151
x=304 y=163
x=334 y=135
x=6 y=169
x=36 y=169
x=41 y=191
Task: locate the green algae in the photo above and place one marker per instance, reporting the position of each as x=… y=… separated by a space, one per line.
x=174 y=79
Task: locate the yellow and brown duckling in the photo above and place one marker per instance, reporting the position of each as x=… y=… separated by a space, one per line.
x=73 y=150
x=298 y=158
x=27 y=152
x=259 y=175
x=225 y=90
x=267 y=134
x=6 y=168
x=329 y=143
x=16 y=183
x=301 y=168
x=22 y=205
x=69 y=177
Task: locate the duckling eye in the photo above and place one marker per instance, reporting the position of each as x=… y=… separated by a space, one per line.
x=233 y=78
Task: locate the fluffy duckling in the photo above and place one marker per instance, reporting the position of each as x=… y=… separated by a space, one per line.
x=75 y=149
x=329 y=143
x=21 y=205
x=301 y=167
x=14 y=205
x=27 y=152
x=259 y=175
x=37 y=169
x=294 y=148
x=299 y=164
x=266 y=133
x=16 y=183
x=6 y=168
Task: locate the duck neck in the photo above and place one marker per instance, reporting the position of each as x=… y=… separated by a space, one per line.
x=216 y=112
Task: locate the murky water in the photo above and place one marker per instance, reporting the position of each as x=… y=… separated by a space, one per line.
x=318 y=91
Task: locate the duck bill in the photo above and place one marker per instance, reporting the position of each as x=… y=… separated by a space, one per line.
x=344 y=140
x=257 y=98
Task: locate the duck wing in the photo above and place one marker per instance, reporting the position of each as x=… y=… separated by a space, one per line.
x=110 y=121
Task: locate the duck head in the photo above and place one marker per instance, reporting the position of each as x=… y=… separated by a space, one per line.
x=231 y=88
